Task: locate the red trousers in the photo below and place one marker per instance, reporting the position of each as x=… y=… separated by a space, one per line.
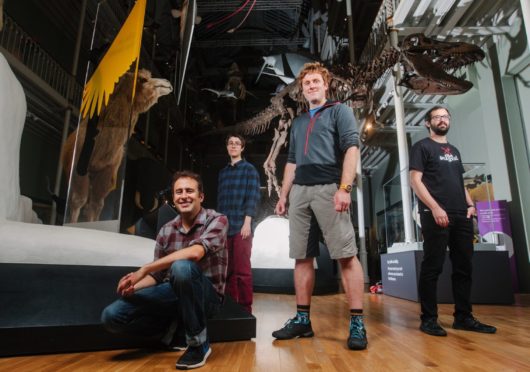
x=239 y=273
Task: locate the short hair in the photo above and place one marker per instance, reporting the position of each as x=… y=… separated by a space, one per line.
x=237 y=135
x=186 y=174
x=314 y=68
x=428 y=114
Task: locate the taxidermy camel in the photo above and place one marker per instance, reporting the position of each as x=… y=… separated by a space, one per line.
x=429 y=67
x=94 y=172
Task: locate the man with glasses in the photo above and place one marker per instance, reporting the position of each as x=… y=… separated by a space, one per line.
x=237 y=198
x=446 y=211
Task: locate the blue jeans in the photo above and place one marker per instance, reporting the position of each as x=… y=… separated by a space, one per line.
x=188 y=298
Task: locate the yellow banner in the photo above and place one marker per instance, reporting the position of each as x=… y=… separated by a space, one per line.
x=125 y=49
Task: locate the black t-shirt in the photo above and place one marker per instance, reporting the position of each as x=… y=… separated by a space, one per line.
x=442 y=170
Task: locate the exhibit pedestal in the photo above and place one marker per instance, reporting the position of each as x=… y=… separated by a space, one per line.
x=491 y=277
x=57 y=308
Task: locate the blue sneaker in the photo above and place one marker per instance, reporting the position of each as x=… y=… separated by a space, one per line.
x=357 y=339
x=194 y=356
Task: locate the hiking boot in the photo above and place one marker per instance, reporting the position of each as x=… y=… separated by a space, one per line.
x=431 y=327
x=194 y=356
x=472 y=324
x=357 y=339
x=293 y=328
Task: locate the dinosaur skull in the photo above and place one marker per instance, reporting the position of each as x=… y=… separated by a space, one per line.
x=426 y=61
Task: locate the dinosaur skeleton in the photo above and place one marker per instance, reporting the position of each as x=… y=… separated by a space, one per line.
x=428 y=69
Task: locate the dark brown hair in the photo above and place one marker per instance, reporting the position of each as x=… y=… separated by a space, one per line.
x=237 y=135
x=428 y=114
x=187 y=174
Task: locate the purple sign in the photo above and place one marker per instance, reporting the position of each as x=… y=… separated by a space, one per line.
x=494 y=226
x=493 y=217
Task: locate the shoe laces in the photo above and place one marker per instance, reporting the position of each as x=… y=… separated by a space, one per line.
x=295 y=320
x=357 y=328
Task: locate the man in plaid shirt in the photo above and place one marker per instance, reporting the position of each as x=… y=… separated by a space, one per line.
x=184 y=284
x=237 y=198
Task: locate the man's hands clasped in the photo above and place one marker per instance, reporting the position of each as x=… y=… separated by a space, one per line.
x=126 y=284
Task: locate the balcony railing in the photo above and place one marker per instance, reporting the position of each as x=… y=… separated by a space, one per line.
x=22 y=47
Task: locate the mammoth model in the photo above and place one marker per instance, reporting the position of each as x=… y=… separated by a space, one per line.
x=94 y=172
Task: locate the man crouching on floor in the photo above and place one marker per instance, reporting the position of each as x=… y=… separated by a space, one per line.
x=185 y=283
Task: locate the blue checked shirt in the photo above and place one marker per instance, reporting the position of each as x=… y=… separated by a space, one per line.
x=238 y=194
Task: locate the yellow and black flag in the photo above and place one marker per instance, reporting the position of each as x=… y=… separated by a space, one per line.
x=94 y=171
x=124 y=50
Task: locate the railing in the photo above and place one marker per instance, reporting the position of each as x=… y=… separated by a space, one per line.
x=21 y=46
x=379 y=35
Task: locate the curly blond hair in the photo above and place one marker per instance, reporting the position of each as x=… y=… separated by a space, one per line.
x=314 y=68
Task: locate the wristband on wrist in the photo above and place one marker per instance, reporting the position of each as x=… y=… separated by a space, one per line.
x=348 y=188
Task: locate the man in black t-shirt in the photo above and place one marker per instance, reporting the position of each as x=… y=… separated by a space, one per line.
x=446 y=212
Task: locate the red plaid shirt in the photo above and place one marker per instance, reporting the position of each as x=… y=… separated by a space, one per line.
x=209 y=230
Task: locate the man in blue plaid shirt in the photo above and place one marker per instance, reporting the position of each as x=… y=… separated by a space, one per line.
x=237 y=198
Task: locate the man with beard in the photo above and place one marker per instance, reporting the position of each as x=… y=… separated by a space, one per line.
x=446 y=212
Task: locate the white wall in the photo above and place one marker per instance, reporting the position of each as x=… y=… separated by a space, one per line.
x=475 y=128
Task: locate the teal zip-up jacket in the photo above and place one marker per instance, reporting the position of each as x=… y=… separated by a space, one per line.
x=317 y=145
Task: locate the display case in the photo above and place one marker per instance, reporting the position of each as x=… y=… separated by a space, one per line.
x=392 y=218
x=391 y=221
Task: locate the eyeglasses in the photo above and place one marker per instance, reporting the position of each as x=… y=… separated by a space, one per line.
x=440 y=117
x=234 y=143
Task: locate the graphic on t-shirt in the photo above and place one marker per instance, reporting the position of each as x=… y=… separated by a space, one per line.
x=447 y=156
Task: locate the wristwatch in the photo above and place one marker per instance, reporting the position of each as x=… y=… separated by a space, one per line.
x=345 y=187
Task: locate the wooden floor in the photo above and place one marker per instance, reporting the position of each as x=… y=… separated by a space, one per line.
x=395 y=343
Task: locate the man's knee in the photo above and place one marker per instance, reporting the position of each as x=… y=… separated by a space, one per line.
x=182 y=271
x=109 y=318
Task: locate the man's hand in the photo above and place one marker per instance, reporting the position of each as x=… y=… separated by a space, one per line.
x=440 y=217
x=471 y=211
x=246 y=231
x=342 y=200
x=280 y=206
x=126 y=284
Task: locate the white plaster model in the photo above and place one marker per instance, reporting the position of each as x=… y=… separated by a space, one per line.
x=22 y=242
x=12 y=117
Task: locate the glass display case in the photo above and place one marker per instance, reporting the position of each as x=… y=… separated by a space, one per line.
x=391 y=226
x=392 y=218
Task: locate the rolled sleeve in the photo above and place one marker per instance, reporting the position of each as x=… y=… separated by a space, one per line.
x=160 y=245
x=213 y=238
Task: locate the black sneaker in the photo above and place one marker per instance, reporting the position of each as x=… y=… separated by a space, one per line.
x=357 y=339
x=179 y=345
x=194 y=356
x=431 y=327
x=292 y=329
x=472 y=324
x=178 y=342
